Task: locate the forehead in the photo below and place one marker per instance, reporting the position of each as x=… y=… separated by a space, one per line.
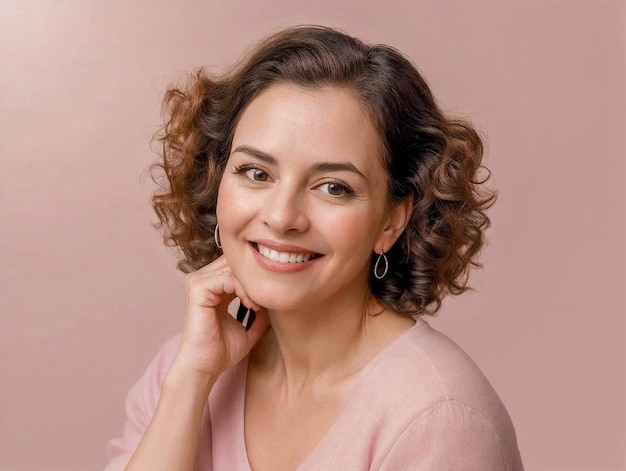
x=326 y=122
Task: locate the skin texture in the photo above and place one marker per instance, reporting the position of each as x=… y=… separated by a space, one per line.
x=302 y=129
x=304 y=176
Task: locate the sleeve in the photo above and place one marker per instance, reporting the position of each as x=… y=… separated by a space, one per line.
x=450 y=436
x=141 y=403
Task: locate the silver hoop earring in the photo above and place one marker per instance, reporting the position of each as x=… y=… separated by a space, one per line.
x=383 y=257
x=216 y=236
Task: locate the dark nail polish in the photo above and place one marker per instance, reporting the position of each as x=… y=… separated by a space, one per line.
x=241 y=312
x=251 y=319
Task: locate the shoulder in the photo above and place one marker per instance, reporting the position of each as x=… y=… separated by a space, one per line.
x=426 y=367
x=152 y=378
x=141 y=402
x=427 y=389
x=451 y=435
x=144 y=394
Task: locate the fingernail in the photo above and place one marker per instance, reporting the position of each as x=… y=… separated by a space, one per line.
x=241 y=312
x=251 y=319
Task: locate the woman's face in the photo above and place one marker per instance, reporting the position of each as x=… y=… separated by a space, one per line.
x=302 y=203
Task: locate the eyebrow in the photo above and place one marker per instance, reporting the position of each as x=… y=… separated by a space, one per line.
x=320 y=166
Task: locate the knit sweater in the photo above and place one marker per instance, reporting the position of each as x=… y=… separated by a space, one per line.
x=419 y=404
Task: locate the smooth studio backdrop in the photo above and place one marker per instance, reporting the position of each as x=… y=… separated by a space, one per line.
x=88 y=294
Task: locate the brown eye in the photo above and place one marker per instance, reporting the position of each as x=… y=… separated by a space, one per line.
x=257 y=175
x=336 y=189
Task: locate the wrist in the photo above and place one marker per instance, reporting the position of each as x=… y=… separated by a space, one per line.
x=181 y=379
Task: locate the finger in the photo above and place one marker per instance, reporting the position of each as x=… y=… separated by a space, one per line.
x=218 y=285
x=241 y=293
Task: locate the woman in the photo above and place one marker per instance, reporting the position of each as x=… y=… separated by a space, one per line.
x=323 y=204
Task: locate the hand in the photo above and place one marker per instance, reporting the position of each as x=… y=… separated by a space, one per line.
x=212 y=342
x=212 y=339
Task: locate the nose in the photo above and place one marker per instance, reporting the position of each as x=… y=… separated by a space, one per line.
x=285 y=210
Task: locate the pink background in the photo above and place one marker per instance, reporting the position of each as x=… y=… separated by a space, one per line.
x=88 y=293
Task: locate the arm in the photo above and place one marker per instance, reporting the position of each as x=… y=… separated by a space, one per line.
x=450 y=436
x=212 y=341
x=171 y=439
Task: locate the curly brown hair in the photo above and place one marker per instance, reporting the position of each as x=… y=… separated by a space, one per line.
x=428 y=155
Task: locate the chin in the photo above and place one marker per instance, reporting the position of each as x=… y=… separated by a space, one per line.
x=278 y=303
x=275 y=298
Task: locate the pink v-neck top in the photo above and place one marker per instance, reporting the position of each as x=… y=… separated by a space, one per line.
x=420 y=404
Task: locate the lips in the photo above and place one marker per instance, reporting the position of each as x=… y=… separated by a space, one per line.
x=285 y=256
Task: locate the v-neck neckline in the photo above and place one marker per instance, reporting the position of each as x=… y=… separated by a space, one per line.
x=324 y=449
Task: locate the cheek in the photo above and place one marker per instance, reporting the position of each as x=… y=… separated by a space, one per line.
x=355 y=232
x=235 y=211
x=229 y=205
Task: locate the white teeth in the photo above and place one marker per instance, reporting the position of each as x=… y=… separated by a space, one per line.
x=283 y=257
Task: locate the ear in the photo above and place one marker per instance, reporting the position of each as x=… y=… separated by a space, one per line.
x=398 y=215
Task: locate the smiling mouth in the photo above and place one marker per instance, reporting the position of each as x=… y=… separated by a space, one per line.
x=285 y=257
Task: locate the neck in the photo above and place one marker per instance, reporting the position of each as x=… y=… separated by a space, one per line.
x=323 y=344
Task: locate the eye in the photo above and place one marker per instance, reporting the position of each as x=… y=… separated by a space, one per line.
x=336 y=189
x=257 y=175
x=253 y=173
